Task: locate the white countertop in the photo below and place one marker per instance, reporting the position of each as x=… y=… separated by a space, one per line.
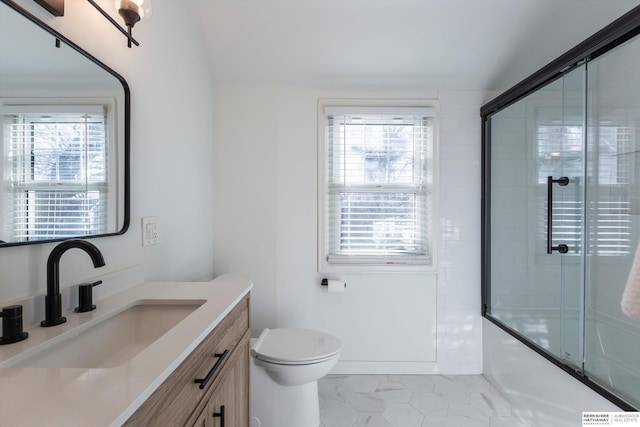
x=69 y=397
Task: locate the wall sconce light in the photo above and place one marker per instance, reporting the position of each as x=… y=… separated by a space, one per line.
x=131 y=12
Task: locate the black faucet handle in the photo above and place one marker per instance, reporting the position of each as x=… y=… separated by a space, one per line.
x=12 y=325
x=85 y=297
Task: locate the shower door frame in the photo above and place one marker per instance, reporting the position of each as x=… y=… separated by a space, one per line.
x=616 y=33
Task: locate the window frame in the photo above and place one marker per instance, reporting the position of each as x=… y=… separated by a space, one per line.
x=362 y=263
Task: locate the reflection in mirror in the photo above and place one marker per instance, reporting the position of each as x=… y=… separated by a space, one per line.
x=64 y=139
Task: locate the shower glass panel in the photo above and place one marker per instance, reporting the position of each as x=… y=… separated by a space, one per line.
x=612 y=340
x=561 y=211
x=536 y=199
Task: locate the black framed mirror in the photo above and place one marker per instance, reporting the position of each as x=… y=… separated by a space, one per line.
x=65 y=138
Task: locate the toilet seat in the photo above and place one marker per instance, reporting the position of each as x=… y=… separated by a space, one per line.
x=286 y=365
x=293 y=346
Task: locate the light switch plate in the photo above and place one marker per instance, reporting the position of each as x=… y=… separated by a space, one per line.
x=150 y=230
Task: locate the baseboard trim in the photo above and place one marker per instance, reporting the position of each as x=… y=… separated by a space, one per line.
x=351 y=367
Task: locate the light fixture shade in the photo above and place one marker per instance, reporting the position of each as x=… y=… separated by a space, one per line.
x=133 y=11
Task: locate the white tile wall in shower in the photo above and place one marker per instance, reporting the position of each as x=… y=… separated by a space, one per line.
x=459 y=328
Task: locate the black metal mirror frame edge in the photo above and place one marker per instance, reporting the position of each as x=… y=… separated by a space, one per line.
x=127 y=127
x=622 y=29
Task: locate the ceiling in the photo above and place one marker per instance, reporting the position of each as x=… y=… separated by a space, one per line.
x=435 y=44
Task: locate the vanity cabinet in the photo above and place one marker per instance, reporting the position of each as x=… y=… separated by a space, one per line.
x=221 y=365
x=228 y=404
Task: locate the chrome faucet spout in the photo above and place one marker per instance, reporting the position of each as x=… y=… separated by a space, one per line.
x=53 y=299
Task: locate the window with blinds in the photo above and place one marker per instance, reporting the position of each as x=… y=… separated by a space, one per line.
x=55 y=172
x=378 y=195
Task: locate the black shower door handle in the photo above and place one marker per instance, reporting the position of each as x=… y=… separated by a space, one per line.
x=562 y=181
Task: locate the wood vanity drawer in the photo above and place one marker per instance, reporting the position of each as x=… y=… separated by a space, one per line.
x=173 y=403
x=230 y=391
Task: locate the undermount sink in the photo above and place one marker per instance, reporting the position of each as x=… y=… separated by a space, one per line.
x=113 y=341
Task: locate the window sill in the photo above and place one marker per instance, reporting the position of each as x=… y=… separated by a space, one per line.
x=376 y=268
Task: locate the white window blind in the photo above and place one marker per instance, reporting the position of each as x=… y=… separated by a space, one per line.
x=56 y=171
x=379 y=178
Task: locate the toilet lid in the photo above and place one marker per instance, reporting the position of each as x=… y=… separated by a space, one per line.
x=295 y=346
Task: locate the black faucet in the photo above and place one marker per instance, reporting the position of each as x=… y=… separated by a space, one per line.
x=53 y=300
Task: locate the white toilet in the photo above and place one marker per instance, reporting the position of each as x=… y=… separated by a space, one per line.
x=286 y=365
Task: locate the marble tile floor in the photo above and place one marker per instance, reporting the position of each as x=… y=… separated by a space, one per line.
x=412 y=401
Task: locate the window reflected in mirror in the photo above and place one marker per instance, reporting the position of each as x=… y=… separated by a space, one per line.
x=56 y=170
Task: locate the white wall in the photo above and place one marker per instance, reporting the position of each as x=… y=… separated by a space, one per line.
x=171 y=136
x=265 y=217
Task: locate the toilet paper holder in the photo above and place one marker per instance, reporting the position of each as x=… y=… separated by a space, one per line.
x=325 y=282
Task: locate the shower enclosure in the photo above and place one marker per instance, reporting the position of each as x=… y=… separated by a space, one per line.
x=561 y=210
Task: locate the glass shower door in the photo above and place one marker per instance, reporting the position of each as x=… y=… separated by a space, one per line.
x=536 y=194
x=561 y=211
x=569 y=214
x=612 y=337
